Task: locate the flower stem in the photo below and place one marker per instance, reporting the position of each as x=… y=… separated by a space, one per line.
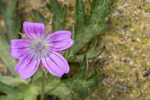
x=43 y=85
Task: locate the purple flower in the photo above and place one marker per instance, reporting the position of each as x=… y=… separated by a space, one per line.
x=38 y=48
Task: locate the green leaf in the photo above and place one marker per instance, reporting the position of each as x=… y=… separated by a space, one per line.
x=12 y=20
x=81 y=84
x=97 y=24
x=2 y=7
x=1 y=32
x=83 y=70
x=94 y=4
x=94 y=81
x=23 y=92
x=39 y=17
x=84 y=86
x=63 y=92
x=5 y=56
x=10 y=81
x=92 y=53
x=80 y=15
x=5 y=88
x=59 y=14
x=3 y=35
x=37 y=75
x=55 y=7
x=88 y=34
x=100 y=12
x=56 y=87
x=77 y=58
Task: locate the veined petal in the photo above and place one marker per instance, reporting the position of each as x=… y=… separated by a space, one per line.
x=56 y=64
x=27 y=66
x=19 y=47
x=33 y=30
x=59 y=35
x=20 y=43
x=62 y=45
x=61 y=61
x=60 y=40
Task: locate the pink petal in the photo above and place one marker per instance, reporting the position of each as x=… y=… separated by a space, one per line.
x=56 y=64
x=33 y=30
x=62 y=45
x=60 y=40
x=27 y=66
x=19 y=47
x=59 y=35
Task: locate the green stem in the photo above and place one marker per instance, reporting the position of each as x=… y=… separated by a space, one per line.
x=43 y=85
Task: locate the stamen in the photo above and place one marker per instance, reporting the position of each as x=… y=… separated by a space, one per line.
x=40 y=48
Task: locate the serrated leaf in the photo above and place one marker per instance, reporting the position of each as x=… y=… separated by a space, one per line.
x=81 y=84
x=95 y=27
x=89 y=33
x=84 y=86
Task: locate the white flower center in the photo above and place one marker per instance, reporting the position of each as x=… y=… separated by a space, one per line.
x=40 y=47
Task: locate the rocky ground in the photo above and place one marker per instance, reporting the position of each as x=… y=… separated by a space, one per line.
x=127 y=56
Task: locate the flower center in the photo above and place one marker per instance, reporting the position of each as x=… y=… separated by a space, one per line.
x=40 y=48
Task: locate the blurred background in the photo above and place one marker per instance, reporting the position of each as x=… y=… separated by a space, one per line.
x=124 y=59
